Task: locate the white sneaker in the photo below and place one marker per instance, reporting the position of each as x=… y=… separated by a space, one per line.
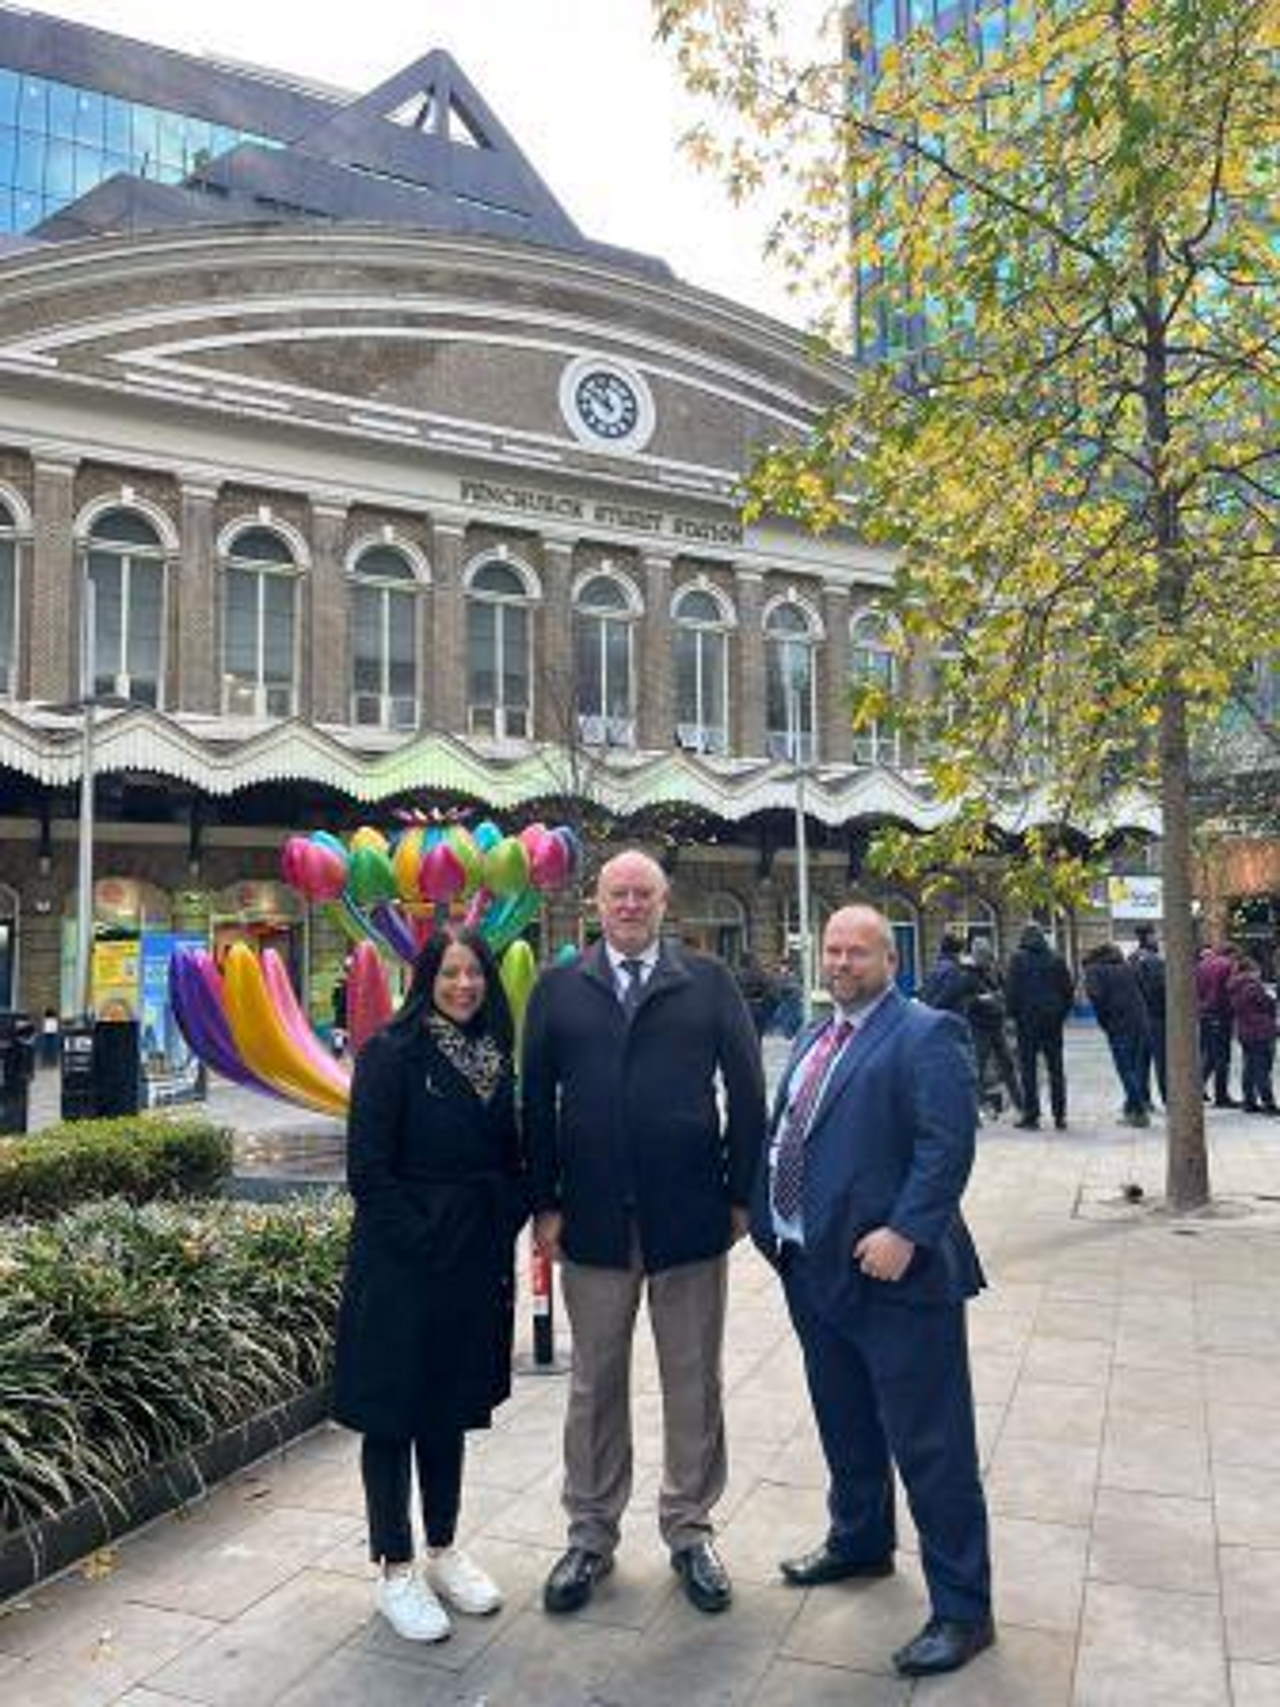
x=461 y=1582
x=411 y=1609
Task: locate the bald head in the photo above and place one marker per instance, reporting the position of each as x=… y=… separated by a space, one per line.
x=858 y=955
x=631 y=895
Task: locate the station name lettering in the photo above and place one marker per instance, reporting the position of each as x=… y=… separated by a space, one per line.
x=630 y=518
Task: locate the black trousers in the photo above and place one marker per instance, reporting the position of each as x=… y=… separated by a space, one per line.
x=890 y=1385
x=1259 y=1060
x=992 y=1049
x=385 y=1466
x=1215 y=1054
x=1034 y=1041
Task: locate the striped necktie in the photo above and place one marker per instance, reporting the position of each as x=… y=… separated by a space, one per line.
x=788 y=1165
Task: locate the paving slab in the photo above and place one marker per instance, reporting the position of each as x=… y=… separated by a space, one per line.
x=1128 y=1389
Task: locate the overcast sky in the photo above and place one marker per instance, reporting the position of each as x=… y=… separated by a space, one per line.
x=592 y=100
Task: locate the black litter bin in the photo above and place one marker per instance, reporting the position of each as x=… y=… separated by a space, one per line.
x=17 y=1064
x=79 y=1099
x=116 y=1066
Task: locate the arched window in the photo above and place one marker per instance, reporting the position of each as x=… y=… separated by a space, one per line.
x=603 y=621
x=260 y=640
x=972 y=917
x=126 y=566
x=8 y=601
x=702 y=671
x=873 y=662
x=499 y=694
x=905 y=925
x=717 y=924
x=384 y=639
x=789 y=682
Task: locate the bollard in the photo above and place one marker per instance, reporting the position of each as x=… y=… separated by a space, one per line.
x=541 y=1287
x=544 y=1327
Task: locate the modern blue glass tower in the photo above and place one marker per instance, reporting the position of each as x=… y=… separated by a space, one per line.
x=102 y=134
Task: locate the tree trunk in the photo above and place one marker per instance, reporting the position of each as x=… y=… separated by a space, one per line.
x=1187 y=1161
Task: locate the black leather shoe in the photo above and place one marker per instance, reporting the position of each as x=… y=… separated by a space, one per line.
x=573 y=1577
x=824 y=1566
x=945 y=1644
x=1026 y=1125
x=706 y=1582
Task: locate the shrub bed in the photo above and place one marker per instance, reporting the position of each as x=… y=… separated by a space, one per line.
x=138 y=1158
x=129 y=1335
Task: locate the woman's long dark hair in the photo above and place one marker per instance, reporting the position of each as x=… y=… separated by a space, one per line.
x=493 y=1016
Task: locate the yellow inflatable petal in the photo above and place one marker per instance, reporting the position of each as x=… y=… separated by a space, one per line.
x=264 y=1044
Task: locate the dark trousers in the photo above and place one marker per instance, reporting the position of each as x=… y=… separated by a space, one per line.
x=1259 y=1059
x=1034 y=1041
x=385 y=1466
x=1159 y=1058
x=890 y=1385
x=1215 y=1054
x=1131 y=1053
x=992 y=1049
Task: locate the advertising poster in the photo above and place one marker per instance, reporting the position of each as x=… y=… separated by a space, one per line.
x=170 y=1072
x=115 y=980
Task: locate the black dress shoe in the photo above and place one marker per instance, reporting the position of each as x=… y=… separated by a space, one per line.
x=945 y=1644
x=825 y=1566
x=706 y=1582
x=573 y=1577
x=1027 y=1125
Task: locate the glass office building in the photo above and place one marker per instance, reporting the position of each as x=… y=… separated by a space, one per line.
x=58 y=141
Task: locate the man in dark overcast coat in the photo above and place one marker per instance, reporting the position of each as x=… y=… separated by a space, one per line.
x=641 y=1185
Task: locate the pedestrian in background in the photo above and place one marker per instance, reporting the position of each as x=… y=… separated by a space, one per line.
x=986 y=1015
x=952 y=982
x=1039 y=991
x=1253 y=1008
x=1213 y=1003
x=1112 y=988
x=1149 y=969
x=425 y=1326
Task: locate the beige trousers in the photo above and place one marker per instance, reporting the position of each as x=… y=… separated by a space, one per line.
x=686 y=1312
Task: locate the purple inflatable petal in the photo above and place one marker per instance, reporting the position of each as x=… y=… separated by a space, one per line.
x=195 y=994
x=395 y=931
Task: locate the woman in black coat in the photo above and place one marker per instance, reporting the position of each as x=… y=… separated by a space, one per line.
x=425 y=1327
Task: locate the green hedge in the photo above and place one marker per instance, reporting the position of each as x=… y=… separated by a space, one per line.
x=139 y=1158
x=130 y=1334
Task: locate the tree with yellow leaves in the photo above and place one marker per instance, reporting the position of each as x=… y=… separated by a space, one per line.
x=1054 y=250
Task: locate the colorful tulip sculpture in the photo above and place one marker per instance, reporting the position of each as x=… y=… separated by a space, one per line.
x=388 y=894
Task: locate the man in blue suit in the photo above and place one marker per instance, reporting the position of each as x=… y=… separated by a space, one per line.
x=870 y=1148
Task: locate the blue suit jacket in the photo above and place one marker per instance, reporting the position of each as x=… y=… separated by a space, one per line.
x=891 y=1144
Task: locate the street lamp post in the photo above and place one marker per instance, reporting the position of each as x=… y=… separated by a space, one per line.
x=84 y=884
x=802 y=840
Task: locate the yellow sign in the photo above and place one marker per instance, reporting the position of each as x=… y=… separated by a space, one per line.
x=116 y=968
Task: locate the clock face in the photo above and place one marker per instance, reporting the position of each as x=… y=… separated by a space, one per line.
x=606 y=404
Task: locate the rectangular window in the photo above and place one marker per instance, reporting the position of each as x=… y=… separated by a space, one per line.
x=402 y=621
x=106 y=572
x=242 y=625
x=366 y=640
x=8 y=615
x=118 y=123
x=10 y=88
x=146 y=604
x=884 y=24
x=277 y=630
x=8 y=155
x=59 y=177
x=87 y=169
x=481 y=642
x=62 y=111
x=90 y=118
x=28 y=176
x=589 y=689
x=515 y=658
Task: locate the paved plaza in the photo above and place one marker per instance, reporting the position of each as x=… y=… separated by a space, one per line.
x=1127 y=1368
